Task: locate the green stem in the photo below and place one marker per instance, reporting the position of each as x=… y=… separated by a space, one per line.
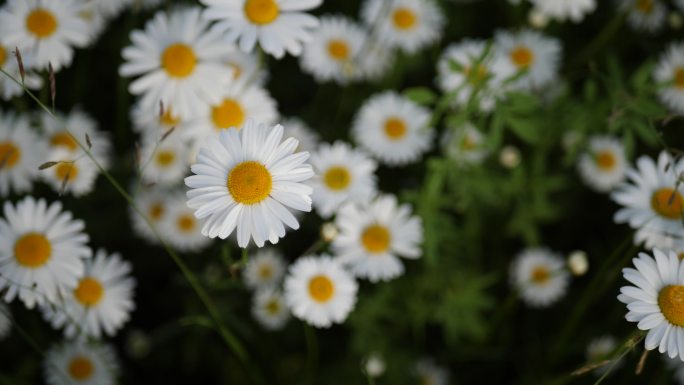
x=601 y=39
x=312 y=348
x=631 y=343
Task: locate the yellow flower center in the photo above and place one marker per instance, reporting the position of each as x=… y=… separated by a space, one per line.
x=156 y=211
x=168 y=119
x=605 y=160
x=338 y=49
x=261 y=11
x=9 y=155
x=63 y=139
x=337 y=178
x=540 y=275
x=237 y=70
x=228 y=114
x=249 y=182
x=32 y=250
x=66 y=171
x=644 y=6
x=265 y=272
x=186 y=223
x=179 y=60
x=667 y=203
x=671 y=303
x=395 y=128
x=679 y=77
x=80 y=368
x=165 y=158
x=273 y=307
x=522 y=56
x=404 y=18
x=89 y=292
x=41 y=22
x=3 y=56
x=376 y=239
x=321 y=288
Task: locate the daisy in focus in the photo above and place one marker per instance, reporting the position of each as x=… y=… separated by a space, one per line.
x=71 y=175
x=407 y=24
x=656 y=301
x=21 y=152
x=343 y=174
x=372 y=236
x=532 y=53
x=245 y=180
x=41 y=251
x=562 y=10
x=429 y=373
x=540 y=277
x=269 y=309
x=645 y=15
x=179 y=61
x=101 y=303
x=8 y=62
x=180 y=228
x=79 y=362
x=465 y=145
x=604 y=165
x=320 y=291
x=264 y=270
x=393 y=129
x=46 y=30
x=277 y=25
x=670 y=74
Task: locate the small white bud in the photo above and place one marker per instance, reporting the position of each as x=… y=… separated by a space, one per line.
x=537 y=19
x=578 y=263
x=509 y=157
x=374 y=365
x=328 y=232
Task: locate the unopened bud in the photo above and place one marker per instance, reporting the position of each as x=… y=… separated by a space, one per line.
x=578 y=263
x=509 y=157
x=374 y=366
x=328 y=232
x=537 y=19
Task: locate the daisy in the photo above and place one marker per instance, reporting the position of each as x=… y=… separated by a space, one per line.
x=655 y=301
x=83 y=128
x=376 y=61
x=21 y=152
x=343 y=174
x=269 y=309
x=109 y=9
x=645 y=15
x=5 y=321
x=245 y=179
x=296 y=128
x=651 y=200
x=72 y=175
x=604 y=165
x=333 y=52
x=164 y=161
x=264 y=270
x=41 y=251
x=431 y=374
x=278 y=25
x=374 y=235
x=157 y=121
x=393 y=129
x=407 y=24
x=47 y=30
x=96 y=21
x=561 y=10
x=540 y=277
x=670 y=73
x=246 y=68
x=320 y=291
x=102 y=301
x=180 y=62
x=8 y=62
x=78 y=362
x=531 y=53
x=180 y=227
x=154 y=203
x=465 y=145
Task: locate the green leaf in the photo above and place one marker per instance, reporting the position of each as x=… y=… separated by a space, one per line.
x=525 y=129
x=421 y=95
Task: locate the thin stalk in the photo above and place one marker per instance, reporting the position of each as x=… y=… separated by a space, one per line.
x=312 y=355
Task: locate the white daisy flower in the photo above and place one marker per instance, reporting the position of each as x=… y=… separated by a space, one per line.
x=296 y=128
x=180 y=227
x=343 y=174
x=102 y=301
x=670 y=72
x=74 y=175
x=655 y=301
x=532 y=53
x=320 y=291
x=645 y=15
x=278 y=25
x=651 y=201
x=540 y=277
x=41 y=251
x=47 y=30
x=334 y=51
x=372 y=236
x=164 y=161
x=95 y=20
x=5 y=321
x=407 y=24
x=21 y=152
x=78 y=362
x=264 y=270
x=393 y=129
x=604 y=165
x=376 y=61
x=601 y=349
x=245 y=179
x=180 y=62
x=109 y=8
x=157 y=122
x=246 y=68
x=155 y=204
x=8 y=62
x=269 y=309
x=464 y=145
x=562 y=10
x=82 y=128
x=429 y=373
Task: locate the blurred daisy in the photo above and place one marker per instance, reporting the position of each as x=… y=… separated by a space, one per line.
x=645 y=15
x=540 y=277
x=393 y=129
x=164 y=161
x=651 y=201
x=278 y=25
x=430 y=374
x=47 y=30
x=95 y=20
x=41 y=251
x=604 y=165
x=601 y=349
x=246 y=68
x=334 y=51
x=102 y=301
x=180 y=62
x=264 y=270
x=82 y=128
x=532 y=53
x=374 y=235
x=465 y=145
x=78 y=362
x=561 y=10
x=269 y=309
x=71 y=175
x=109 y=8
x=376 y=61
x=670 y=73
x=8 y=62
x=407 y=24
x=296 y=128
x=154 y=203
x=21 y=152
x=5 y=321
x=656 y=301
x=320 y=291
x=157 y=122
x=180 y=227
x=245 y=180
